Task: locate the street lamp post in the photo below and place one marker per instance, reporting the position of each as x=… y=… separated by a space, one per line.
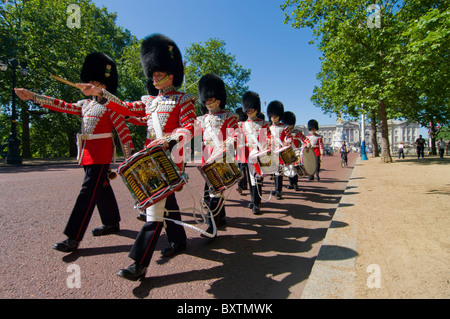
x=13 y=155
x=363 y=137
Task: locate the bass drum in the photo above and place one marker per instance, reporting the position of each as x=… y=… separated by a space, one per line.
x=308 y=160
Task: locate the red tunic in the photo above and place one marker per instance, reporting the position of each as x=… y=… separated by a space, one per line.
x=175 y=114
x=316 y=142
x=96 y=119
x=297 y=138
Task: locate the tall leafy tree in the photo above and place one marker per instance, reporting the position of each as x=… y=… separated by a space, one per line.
x=423 y=70
x=54 y=37
x=360 y=41
x=212 y=57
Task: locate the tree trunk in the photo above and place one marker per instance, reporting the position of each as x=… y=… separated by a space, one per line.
x=73 y=150
x=385 y=150
x=373 y=137
x=432 y=135
x=26 y=146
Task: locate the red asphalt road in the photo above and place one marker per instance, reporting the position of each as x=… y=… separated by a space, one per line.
x=266 y=256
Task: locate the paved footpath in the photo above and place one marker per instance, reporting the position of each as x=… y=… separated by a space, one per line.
x=389 y=237
x=254 y=257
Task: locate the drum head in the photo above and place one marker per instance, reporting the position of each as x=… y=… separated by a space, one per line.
x=309 y=161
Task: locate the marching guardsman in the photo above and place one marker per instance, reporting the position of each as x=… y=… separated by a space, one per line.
x=240 y=153
x=170 y=121
x=280 y=136
x=217 y=125
x=297 y=138
x=316 y=141
x=95 y=150
x=257 y=138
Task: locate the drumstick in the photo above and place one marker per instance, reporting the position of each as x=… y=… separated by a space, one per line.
x=64 y=81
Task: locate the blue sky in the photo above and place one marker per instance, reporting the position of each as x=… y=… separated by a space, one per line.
x=283 y=64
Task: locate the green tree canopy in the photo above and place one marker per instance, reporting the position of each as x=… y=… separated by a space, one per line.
x=213 y=58
x=363 y=62
x=44 y=34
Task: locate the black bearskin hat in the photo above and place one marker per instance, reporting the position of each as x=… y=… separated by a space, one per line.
x=151 y=88
x=275 y=108
x=289 y=118
x=242 y=116
x=212 y=86
x=313 y=124
x=203 y=109
x=250 y=100
x=100 y=67
x=159 y=53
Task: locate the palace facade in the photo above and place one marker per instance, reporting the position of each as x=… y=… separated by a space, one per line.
x=399 y=131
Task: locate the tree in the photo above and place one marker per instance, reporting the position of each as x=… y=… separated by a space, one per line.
x=132 y=85
x=423 y=68
x=213 y=58
x=360 y=44
x=54 y=37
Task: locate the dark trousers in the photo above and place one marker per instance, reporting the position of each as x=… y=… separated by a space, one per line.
x=420 y=152
x=317 y=169
x=243 y=181
x=278 y=182
x=293 y=180
x=146 y=240
x=255 y=190
x=95 y=191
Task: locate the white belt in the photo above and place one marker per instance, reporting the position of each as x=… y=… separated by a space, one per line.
x=85 y=137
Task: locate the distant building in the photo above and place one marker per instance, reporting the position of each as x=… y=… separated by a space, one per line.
x=399 y=131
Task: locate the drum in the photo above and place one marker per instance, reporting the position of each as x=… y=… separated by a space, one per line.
x=265 y=162
x=268 y=162
x=151 y=175
x=306 y=164
x=221 y=170
x=308 y=160
x=286 y=155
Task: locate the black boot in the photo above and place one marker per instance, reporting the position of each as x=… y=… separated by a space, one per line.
x=133 y=272
x=106 y=230
x=256 y=199
x=173 y=249
x=256 y=210
x=67 y=245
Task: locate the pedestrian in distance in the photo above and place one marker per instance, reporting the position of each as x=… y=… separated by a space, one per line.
x=441 y=147
x=401 y=152
x=420 y=147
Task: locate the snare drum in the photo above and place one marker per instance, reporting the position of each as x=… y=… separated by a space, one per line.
x=151 y=175
x=286 y=155
x=221 y=170
x=264 y=162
